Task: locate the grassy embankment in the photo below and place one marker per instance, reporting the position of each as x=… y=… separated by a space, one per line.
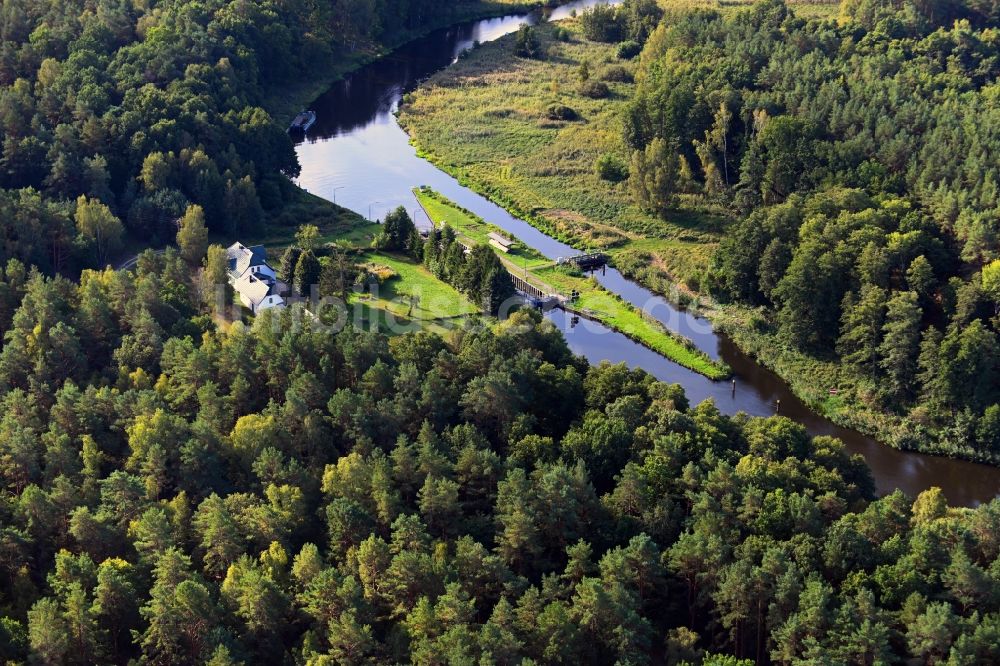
x=484 y=120
x=594 y=302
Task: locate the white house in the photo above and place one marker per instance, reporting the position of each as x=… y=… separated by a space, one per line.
x=252 y=277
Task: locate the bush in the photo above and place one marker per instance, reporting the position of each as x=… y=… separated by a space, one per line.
x=380 y=272
x=603 y=23
x=628 y=50
x=527 y=44
x=561 y=34
x=594 y=89
x=560 y=112
x=617 y=73
x=610 y=168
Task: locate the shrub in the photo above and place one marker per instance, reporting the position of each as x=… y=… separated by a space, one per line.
x=610 y=168
x=380 y=272
x=560 y=112
x=628 y=50
x=603 y=23
x=527 y=44
x=594 y=89
x=617 y=73
x=561 y=34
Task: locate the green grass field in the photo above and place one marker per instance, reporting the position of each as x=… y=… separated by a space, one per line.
x=431 y=298
x=414 y=299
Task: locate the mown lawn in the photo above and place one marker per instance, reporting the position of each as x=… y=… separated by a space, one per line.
x=416 y=294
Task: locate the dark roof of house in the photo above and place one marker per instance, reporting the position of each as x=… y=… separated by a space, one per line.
x=242 y=257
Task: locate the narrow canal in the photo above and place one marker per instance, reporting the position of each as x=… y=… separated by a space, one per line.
x=357 y=155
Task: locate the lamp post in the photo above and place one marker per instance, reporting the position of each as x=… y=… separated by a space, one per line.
x=339 y=187
x=370 y=210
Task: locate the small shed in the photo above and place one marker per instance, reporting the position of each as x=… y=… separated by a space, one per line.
x=501 y=243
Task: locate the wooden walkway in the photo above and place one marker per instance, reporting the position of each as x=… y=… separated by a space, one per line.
x=588 y=261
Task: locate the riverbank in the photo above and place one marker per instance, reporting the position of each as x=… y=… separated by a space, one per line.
x=594 y=301
x=485 y=121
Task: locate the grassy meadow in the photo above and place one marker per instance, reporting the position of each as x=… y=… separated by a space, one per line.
x=486 y=121
x=416 y=294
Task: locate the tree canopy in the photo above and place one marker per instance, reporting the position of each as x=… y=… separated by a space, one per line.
x=149 y=108
x=856 y=158
x=175 y=492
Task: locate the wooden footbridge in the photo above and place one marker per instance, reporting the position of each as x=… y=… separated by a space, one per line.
x=587 y=262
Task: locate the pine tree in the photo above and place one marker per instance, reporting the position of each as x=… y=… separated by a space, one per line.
x=289 y=260
x=861 y=328
x=307 y=273
x=654 y=175
x=98 y=226
x=900 y=345
x=192 y=235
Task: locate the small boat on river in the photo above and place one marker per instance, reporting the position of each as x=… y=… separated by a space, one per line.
x=303 y=121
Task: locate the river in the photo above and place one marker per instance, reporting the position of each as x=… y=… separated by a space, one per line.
x=357 y=155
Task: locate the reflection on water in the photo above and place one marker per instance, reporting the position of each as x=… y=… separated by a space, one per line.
x=357 y=155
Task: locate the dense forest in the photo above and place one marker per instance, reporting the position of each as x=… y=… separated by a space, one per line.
x=176 y=488
x=136 y=110
x=177 y=493
x=861 y=157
